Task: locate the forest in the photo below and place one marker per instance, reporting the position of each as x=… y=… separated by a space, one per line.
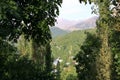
x=28 y=51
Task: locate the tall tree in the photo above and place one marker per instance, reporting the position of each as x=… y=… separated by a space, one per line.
x=32 y=18
x=104 y=59
x=115 y=40
x=115 y=44
x=104 y=23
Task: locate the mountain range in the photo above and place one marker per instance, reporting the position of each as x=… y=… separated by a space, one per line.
x=86 y=24
x=63 y=26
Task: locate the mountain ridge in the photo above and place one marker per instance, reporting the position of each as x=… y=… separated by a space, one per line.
x=76 y=25
x=55 y=31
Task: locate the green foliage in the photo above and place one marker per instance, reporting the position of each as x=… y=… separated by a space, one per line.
x=67 y=71
x=30 y=17
x=24 y=47
x=104 y=59
x=14 y=67
x=71 y=77
x=115 y=44
x=7 y=47
x=66 y=48
x=86 y=58
x=68 y=45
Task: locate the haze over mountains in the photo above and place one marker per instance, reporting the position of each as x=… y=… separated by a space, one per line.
x=64 y=26
x=86 y=24
x=76 y=25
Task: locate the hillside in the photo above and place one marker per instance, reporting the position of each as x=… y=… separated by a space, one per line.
x=55 y=31
x=68 y=45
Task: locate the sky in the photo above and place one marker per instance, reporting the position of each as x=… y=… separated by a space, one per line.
x=73 y=10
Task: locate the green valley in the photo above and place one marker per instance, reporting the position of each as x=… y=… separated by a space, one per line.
x=66 y=47
x=69 y=44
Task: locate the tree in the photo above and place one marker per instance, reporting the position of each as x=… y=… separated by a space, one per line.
x=114 y=44
x=86 y=58
x=104 y=25
x=104 y=60
x=32 y=18
x=17 y=67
